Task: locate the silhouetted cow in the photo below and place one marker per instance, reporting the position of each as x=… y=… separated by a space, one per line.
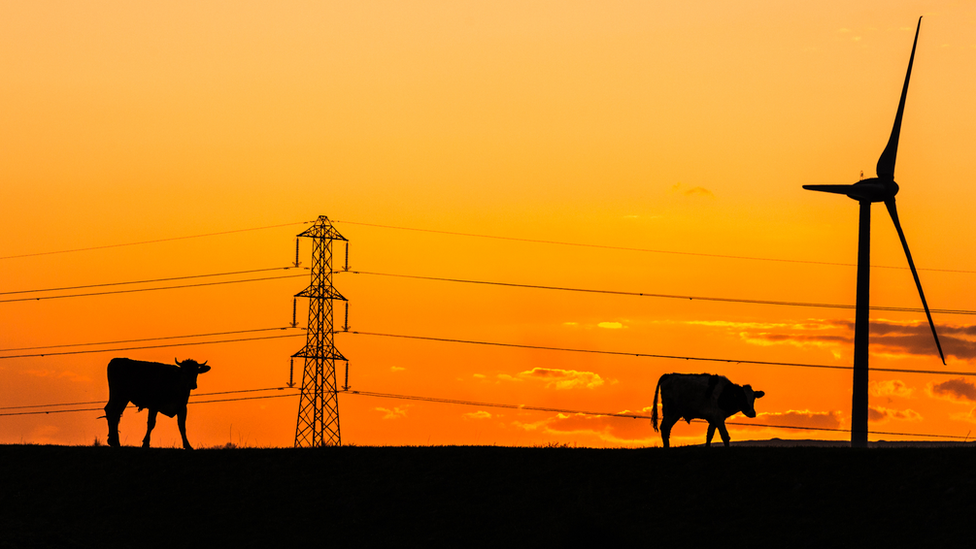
x=160 y=387
x=701 y=396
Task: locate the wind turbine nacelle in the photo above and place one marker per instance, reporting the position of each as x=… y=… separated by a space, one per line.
x=873 y=190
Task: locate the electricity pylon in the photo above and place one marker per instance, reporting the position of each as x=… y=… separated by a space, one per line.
x=318 y=407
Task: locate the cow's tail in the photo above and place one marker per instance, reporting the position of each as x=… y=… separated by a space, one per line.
x=657 y=390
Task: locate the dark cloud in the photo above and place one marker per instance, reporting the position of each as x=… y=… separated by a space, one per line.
x=954 y=389
x=694 y=191
x=887 y=337
x=878 y=414
x=916 y=339
x=700 y=191
x=801 y=338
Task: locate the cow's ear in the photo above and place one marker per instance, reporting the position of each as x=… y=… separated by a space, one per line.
x=759 y=394
x=203 y=368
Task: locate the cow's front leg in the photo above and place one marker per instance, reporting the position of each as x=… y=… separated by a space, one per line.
x=725 y=433
x=181 y=420
x=710 y=435
x=113 y=412
x=149 y=427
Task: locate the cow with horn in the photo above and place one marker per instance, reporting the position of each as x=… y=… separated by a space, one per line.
x=159 y=387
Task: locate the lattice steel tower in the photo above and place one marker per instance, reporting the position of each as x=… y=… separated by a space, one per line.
x=318 y=408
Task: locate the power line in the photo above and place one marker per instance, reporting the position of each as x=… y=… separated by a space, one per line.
x=647 y=250
x=665 y=296
x=648 y=355
x=45 y=412
x=184 y=344
x=612 y=414
x=456 y=280
x=133 y=290
x=211 y=334
x=153 y=241
x=62 y=404
x=477 y=342
x=484 y=405
x=229 y=273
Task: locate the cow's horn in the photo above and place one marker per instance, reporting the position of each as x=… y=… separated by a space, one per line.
x=205 y=363
x=177 y=361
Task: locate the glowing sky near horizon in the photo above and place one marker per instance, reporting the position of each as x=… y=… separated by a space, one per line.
x=686 y=128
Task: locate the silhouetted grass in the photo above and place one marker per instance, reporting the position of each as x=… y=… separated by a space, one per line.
x=485 y=496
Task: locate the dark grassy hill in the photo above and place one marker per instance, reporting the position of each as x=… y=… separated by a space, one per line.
x=486 y=496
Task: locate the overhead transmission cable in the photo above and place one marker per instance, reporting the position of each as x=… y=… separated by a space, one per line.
x=487 y=236
x=629 y=415
x=140 y=340
x=155 y=288
x=160 y=346
x=147 y=281
x=90 y=402
x=449 y=279
x=635 y=249
x=40 y=412
x=444 y=279
x=661 y=356
x=155 y=241
x=435 y=400
x=663 y=296
x=468 y=342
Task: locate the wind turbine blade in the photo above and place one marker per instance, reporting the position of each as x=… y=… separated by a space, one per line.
x=890 y=203
x=836 y=189
x=886 y=164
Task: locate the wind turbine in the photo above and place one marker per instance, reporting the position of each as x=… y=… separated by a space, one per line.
x=867 y=191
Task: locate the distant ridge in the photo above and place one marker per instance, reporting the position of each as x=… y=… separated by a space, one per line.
x=807 y=443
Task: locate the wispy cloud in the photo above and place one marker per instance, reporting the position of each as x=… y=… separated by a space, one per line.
x=480 y=414
x=890 y=388
x=395 y=413
x=802 y=418
x=71 y=376
x=969 y=416
x=564 y=379
x=607 y=429
x=611 y=325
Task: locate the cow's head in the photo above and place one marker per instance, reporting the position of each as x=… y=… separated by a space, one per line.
x=191 y=369
x=750 y=408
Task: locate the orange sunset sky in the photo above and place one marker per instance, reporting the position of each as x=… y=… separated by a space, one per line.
x=682 y=131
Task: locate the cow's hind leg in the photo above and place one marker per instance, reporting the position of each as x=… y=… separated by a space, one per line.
x=181 y=421
x=149 y=427
x=666 y=426
x=710 y=435
x=113 y=413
